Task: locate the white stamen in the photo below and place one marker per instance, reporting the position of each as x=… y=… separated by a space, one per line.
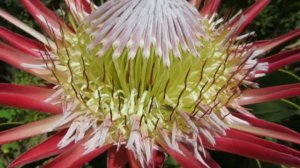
x=257 y=52
x=166 y=24
x=99 y=136
x=35 y=66
x=55 y=95
x=245 y=36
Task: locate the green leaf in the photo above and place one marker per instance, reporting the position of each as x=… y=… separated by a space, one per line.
x=280 y=77
x=275 y=111
x=170 y=162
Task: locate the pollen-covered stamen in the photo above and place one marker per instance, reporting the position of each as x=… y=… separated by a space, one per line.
x=165 y=25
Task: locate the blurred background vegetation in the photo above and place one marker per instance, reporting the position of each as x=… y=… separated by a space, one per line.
x=280 y=17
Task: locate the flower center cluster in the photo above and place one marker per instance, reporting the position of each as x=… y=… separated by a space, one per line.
x=135 y=68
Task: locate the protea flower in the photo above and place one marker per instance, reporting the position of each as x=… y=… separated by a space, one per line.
x=140 y=79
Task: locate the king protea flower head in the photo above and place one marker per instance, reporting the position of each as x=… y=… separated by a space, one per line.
x=144 y=78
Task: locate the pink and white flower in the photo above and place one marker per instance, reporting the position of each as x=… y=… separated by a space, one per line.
x=144 y=78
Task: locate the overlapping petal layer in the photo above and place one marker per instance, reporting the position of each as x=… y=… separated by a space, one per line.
x=28 y=97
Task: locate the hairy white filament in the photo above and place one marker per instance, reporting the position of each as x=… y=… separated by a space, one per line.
x=168 y=25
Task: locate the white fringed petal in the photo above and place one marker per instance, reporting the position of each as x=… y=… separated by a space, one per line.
x=166 y=25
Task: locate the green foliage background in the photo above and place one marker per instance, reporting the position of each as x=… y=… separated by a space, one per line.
x=279 y=17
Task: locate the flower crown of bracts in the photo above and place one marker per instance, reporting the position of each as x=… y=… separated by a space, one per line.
x=141 y=78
